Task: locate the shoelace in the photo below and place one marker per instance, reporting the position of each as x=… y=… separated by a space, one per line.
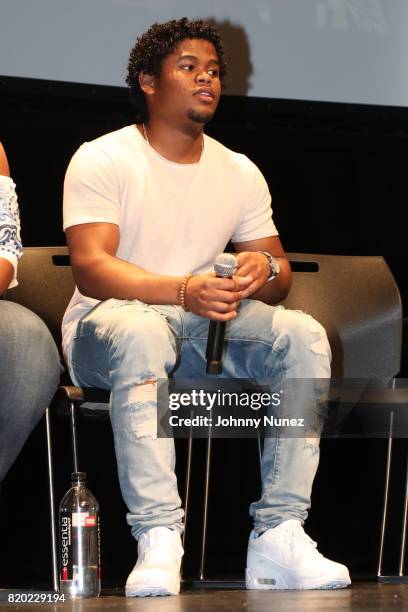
x=165 y=543
x=298 y=539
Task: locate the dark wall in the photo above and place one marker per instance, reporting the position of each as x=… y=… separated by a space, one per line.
x=337 y=177
x=336 y=172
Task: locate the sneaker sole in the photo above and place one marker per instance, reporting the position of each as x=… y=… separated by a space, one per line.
x=153 y=590
x=280 y=583
x=148 y=592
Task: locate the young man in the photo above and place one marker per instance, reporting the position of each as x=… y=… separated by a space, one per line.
x=146 y=211
x=29 y=362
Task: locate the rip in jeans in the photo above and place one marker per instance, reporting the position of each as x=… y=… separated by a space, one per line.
x=142 y=399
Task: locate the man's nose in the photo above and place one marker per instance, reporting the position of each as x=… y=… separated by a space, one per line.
x=203 y=77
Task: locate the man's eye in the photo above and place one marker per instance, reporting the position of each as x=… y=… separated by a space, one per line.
x=214 y=72
x=187 y=66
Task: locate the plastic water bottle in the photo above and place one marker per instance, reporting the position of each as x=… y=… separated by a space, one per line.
x=79 y=535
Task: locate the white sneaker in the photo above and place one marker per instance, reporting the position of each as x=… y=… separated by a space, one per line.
x=157 y=571
x=286 y=558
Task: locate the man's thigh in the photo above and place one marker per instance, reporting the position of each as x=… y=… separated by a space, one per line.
x=251 y=333
x=256 y=341
x=120 y=332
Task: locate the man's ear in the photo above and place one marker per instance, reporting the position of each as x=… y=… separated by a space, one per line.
x=146 y=82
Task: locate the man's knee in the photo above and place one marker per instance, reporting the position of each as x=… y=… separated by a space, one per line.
x=28 y=350
x=142 y=399
x=134 y=408
x=137 y=337
x=301 y=332
x=27 y=333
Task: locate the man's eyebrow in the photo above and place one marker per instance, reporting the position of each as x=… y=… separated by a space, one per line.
x=194 y=57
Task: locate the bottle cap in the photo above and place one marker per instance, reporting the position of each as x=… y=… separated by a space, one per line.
x=78 y=476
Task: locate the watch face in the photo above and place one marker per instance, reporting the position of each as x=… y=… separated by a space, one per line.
x=273 y=265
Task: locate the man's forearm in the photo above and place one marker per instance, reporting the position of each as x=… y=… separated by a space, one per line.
x=270 y=294
x=107 y=277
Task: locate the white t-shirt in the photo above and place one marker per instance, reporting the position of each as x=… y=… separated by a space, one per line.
x=173 y=218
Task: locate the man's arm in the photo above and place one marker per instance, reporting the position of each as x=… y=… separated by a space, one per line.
x=101 y=275
x=6 y=268
x=256 y=265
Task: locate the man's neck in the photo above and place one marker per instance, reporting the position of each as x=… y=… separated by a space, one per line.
x=183 y=146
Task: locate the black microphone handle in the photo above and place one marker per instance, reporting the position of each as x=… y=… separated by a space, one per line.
x=215 y=346
x=225 y=266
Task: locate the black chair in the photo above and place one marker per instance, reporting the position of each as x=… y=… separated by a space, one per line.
x=355 y=298
x=357 y=301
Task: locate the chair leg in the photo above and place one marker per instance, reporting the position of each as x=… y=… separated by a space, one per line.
x=187 y=486
x=205 y=507
x=404 y=527
x=186 y=497
x=74 y=437
x=52 y=503
x=386 y=493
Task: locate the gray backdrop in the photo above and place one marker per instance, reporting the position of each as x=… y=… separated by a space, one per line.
x=329 y=50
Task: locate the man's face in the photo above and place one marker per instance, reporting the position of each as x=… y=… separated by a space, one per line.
x=188 y=86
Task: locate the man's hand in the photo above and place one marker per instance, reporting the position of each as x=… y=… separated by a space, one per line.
x=216 y=298
x=254 y=265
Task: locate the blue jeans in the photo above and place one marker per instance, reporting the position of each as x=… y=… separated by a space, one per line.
x=29 y=373
x=122 y=345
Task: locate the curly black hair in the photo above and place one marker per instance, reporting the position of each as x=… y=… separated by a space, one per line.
x=159 y=41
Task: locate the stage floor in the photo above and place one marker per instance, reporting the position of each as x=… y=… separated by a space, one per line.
x=361 y=596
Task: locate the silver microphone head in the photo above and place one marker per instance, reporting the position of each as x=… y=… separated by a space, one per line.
x=225 y=265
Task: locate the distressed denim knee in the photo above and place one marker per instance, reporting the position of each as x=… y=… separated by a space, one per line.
x=302 y=343
x=122 y=342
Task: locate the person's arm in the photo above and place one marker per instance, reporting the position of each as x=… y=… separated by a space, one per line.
x=4 y=167
x=6 y=274
x=6 y=267
x=101 y=275
x=256 y=265
x=258 y=219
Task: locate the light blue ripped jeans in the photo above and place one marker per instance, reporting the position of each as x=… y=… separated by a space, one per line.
x=122 y=345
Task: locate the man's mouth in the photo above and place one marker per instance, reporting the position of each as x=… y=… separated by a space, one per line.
x=205 y=94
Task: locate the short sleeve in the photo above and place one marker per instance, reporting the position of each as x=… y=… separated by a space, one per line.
x=10 y=240
x=91 y=191
x=256 y=220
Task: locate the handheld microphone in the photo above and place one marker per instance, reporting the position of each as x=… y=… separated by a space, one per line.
x=225 y=266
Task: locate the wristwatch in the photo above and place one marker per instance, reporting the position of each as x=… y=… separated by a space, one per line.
x=273 y=265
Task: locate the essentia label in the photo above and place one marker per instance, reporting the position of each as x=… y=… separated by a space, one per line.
x=66 y=546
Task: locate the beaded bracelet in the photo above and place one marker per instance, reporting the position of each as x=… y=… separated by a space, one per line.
x=182 y=292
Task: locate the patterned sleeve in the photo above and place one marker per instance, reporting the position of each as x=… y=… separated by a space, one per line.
x=10 y=240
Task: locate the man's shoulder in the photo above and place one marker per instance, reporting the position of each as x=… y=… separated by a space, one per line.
x=110 y=150
x=228 y=156
x=111 y=140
